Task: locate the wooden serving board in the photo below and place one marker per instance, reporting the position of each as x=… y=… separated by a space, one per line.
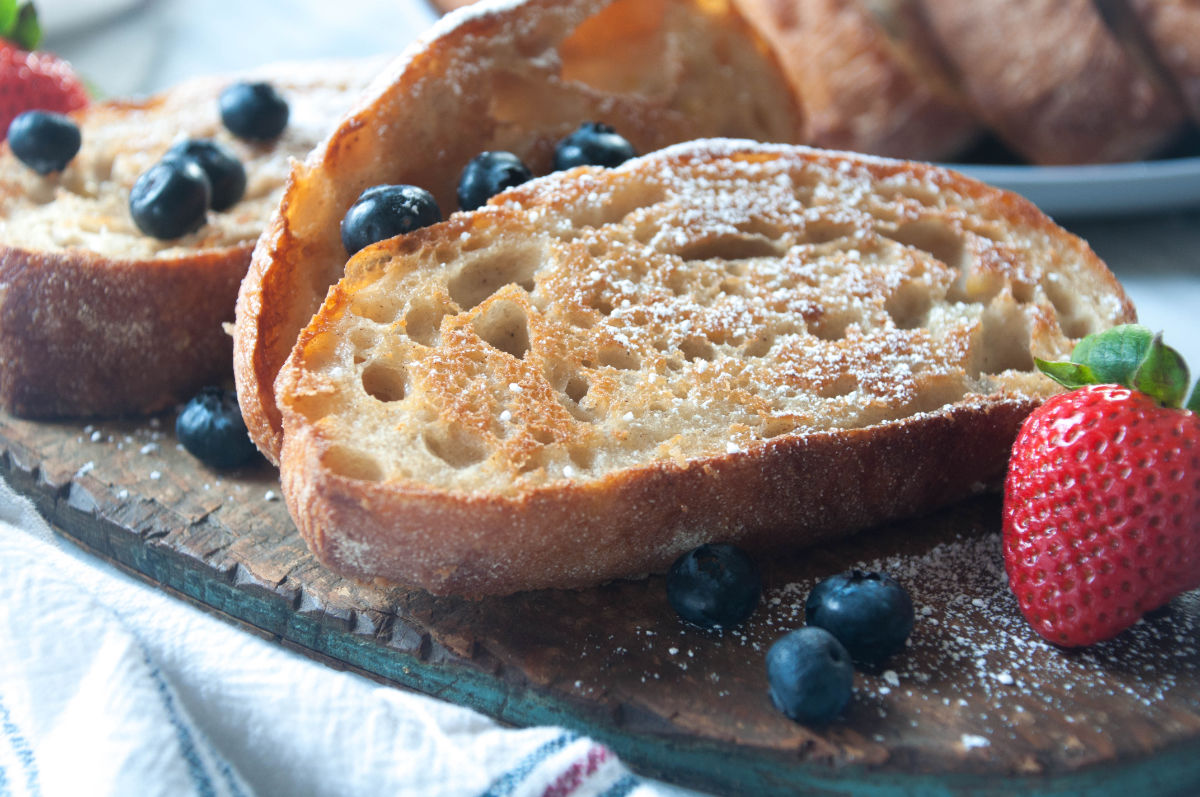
x=978 y=703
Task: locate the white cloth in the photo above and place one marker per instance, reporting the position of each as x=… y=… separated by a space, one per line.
x=110 y=687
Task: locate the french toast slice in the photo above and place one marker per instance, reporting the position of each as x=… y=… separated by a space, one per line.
x=514 y=76
x=1053 y=81
x=868 y=81
x=720 y=341
x=99 y=319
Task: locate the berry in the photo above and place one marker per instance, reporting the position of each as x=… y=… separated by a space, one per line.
x=44 y=141
x=385 y=211
x=809 y=675
x=1101 y=516
x=225 y=172
x=171 y=198
x=210 y=427
x=869 y=613
x=595 y=144
x=254 y=111
x=36 y=81
x=714 y=585
x=488 y=174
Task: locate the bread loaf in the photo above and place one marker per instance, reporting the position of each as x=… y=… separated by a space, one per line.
x=97 y=318
x=722 y=340
x=868 y=80
x=514 y=76
x=1053 y=81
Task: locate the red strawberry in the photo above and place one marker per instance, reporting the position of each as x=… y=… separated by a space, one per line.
x=32 y=80
x=1101 y=516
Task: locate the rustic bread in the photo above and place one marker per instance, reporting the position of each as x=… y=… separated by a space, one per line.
x=97 y=318
x=869 y=82
x=1171 y=31
x=1053 y=81
x=514 y=76
x=722 y=340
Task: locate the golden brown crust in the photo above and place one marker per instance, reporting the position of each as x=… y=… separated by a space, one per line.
x=864 y=89
x=98 y=319
x=768 y=345
x=513 y=76
x=87 y=335
x=1051 y=79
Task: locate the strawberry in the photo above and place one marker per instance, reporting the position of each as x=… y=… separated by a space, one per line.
x=1101 y=516
x=32 y=80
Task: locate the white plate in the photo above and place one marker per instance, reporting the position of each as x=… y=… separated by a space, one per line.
x=1100 y=190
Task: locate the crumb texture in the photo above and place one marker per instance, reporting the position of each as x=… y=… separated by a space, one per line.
x=697 y=303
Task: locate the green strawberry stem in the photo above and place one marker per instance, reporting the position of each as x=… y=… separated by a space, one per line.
x=19 y=23
x=1129 y=355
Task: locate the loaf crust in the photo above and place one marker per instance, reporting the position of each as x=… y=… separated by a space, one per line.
x=97 y=319
x=515 y=76
x=867 y=84
x=1053 y=81
x=723 y=340
x=1172 y=29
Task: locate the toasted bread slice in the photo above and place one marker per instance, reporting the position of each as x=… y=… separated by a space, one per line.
x=867 y=83
x=1052 y=80
x=514 y=76
x=97 y=318
x=723 y=340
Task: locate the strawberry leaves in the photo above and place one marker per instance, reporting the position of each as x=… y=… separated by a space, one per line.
x=1129 y=355
x=19 y=24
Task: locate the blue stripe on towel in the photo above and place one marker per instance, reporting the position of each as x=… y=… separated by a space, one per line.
x=624 y=785
x=24 y=754
x=508 y=782
x=187 y=745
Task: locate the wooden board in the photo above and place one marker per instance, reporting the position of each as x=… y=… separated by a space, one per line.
x=977 y=703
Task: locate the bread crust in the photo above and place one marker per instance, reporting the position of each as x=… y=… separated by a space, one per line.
x=780 y=491
x=1051 y=79
x=785 y=494
x=506 y=75
x=1172 y=28
x=97 y=319
x=863 y=89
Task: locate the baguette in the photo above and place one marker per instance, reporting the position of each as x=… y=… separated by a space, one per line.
x=723 y=340
x=1053 y=81
x=513 y=76
x=99 y=319
x=868 y=81
x=1171 y=30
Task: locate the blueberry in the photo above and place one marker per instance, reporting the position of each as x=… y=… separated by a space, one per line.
x=44 y=141
x=253 y=110
x=210 y=427
x=594 y=143
x=385 y=211
x=488 y=174
x=225 y=172
x=809 y=675
x=869 y=613
x=171 y=198
x=714 y=585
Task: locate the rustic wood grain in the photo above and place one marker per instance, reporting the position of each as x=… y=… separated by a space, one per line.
x=977 y=703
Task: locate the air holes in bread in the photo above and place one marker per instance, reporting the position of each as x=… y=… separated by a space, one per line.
x=730 y=247
x=481 y=276
x=576 y=388
x=1004 y=339
x=612 y=208
x=618 y=357
x=352 y=464
x=841 y=385
x=822 y=231
x=829 y=326
x=938 y=392
x=697 y=349
x=423 y=321
x=384 y=381
x=933 y=237
x=375 y=305
x=504 y=326
x=1066 y=306
x=910 y=303
x=454 y=446
x=758 y=346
